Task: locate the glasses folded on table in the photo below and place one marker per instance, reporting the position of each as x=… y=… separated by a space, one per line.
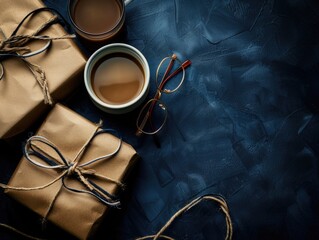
x=153 y=114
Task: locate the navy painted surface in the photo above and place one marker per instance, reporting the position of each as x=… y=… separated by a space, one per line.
x=245 y=124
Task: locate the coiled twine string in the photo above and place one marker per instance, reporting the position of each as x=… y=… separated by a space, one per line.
x=222 y=204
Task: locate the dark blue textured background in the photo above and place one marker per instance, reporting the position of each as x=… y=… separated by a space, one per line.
x=245 y=124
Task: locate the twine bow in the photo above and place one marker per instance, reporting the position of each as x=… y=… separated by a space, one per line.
x=15 y=47
x=70 y=169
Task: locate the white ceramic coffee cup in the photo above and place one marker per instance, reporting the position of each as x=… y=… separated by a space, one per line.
x=117 y=48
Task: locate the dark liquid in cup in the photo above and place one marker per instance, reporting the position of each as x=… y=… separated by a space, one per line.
x=117 y=78
x=96 y=16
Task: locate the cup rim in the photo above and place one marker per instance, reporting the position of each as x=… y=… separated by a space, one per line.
x=97 y=34
x=87 y=79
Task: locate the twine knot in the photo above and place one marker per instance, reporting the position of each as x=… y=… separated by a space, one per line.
x=72 y=169
x=14 y=44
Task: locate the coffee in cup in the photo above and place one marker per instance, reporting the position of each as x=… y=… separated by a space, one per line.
x=117 y=78
x=97 y=20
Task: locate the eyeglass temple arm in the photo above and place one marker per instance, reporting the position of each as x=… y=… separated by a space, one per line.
x=178 y=70
x=170 y=65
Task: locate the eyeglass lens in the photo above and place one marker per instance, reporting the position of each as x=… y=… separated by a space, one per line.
x=165 y=80
x=152 y=117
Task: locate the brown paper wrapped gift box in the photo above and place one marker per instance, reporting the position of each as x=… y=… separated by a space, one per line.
x=77 y=213
x=21 y=98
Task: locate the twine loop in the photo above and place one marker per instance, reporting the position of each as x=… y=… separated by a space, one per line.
x=15 y=47
x=218 y=199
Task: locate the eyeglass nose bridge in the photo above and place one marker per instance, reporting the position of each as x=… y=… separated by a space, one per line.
x=158 y=94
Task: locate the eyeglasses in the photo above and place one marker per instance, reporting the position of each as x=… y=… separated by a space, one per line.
x=153 y=115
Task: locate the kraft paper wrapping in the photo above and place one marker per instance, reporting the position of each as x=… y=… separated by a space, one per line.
x=21 y=98
x=77 y=213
